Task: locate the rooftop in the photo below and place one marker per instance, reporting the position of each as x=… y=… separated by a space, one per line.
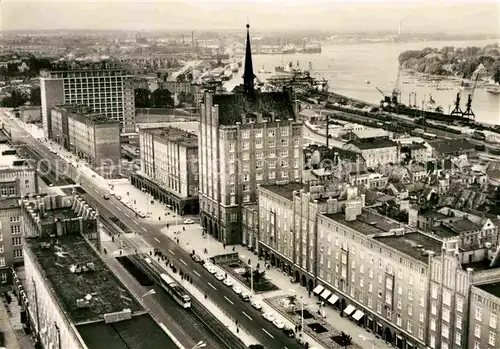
x=450 y=146
x=10 y=161
x=126 y=334
x=174 y=135
x=367 y=223
x=85 y=114
x=329 y=152
x=372 y=143
x=234 y=107
x=6 y=203
x=492 y=288
x=415 y=245
x=284 y=190
x=370 y=133
x=57 y=258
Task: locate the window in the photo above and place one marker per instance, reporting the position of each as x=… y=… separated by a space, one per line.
x=422 y=301
x=400 y=289
x=389 y=314
x=433 y=324
x=446 y=315
x=369 y=302
x=379 y=292
x=379 y=307
x=15 y=229
x=479 y=314
x=433 y=308
x=234 y=217
x=459 y=322
x=445 y=331
x=399 y=304
x=434 y=291
x=3 y=278
x=16 y=242
x=444 y=345
x=2 y=261
x=477 y=345
x=493 y=321
x=409 y=327
x=370 y=287
x=15 y=219
x=433 y=342
x=410 y=281
x=446 y=298
x=410 y=295
x=18 y=253
x=398 y=320
x=421 y=316
x=477 y=331
x=491 y=338
x=420 y=332
x=401 y=274
x=460 y=304
x=458 y=338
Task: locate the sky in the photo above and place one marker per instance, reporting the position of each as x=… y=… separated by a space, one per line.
x=449 y=16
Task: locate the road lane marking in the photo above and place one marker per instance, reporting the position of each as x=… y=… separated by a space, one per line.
x=209 y=284
x=144 y=229
x=248 y=316
x=172 y=252
x=194 y=271
x=119 y=209
x=183 y=262
x=270 y=335
x=126 y=214
x=230 y=301
x=157 y=240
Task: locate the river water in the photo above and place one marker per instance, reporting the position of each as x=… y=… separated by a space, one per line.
x=348 y=67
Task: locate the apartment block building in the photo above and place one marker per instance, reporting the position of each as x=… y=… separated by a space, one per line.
x=108 y=92
x=484 y=326
x=286 y=234
x=245 y=139
x=91 y=136
x=169 y=167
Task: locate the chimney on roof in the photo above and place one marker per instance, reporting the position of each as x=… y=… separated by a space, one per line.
x=248 y=75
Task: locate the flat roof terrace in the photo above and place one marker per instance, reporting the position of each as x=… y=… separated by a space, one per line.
x=492 y=288
x=366 y=223
x=415 y=245
x=104 y=292
x=284 y=190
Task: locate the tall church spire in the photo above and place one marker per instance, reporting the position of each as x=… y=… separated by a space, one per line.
x=248 y=75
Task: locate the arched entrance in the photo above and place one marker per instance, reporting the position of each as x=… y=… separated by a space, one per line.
x=216 y=231
x=273 y=260
x=310 y=285
x=210 y=228
x=303 y=281
x=205 y=223
x=342 y=306
x=297 y=276
x=388 y=335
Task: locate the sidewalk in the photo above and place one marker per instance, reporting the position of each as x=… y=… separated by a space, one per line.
x=191 y=239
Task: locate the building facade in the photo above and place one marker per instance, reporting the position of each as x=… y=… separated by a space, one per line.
x=11 y=244
x=169 y=167
x=30 y=114
x=484 y=326
x=91 y=136
x=108 y=92
x=376 y=151
x=245 y=139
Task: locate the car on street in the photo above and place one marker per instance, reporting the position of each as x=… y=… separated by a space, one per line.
x=237 y=289
x=188 y=221
x=268 y=316
x=228 y=282
x=220 y=276
x=141 y=214
x=256 y=305
x=105 y=196
x=211 y=269
x=245 y=296
x=118 y=197
x=289 y=332
x=196 y=258
x=279 y=324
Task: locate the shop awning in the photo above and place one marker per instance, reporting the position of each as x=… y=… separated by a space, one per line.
x=349 y=310
x=333 y=299
x=318 y=289
x=358 y=315
x=326 y=294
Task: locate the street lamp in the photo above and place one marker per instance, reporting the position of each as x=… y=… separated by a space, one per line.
x=200 y=344
x=367 y=340
x=251 y=273
x=302 y=315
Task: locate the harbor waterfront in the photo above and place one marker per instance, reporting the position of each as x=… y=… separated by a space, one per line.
x=355 y=70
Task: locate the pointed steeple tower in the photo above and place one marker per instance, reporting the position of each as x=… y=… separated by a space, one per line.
x=248 y=75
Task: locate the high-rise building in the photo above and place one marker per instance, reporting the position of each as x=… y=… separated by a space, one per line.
x=89 y=135
x=109 y=92
x=245 y=139
x=169 y=167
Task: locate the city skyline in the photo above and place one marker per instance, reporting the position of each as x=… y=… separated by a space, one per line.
x=458 y=17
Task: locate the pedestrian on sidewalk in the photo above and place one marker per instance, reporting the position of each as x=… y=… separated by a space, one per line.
x=234 y=248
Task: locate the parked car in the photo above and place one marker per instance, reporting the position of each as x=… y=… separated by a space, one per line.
x=245 y=296
x=196 y=258
x=279 y=324
x=105 y=196
x=141 y=214
x=256 y=305
x=220 y=276
x=228 y=282
x=188 y=221
x=118 y=197
x=268 y=316
x=237 y=289
x=289 y=332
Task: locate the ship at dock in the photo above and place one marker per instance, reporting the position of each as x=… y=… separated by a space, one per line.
x=312 y=47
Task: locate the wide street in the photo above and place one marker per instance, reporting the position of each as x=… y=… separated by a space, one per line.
x=248 y=318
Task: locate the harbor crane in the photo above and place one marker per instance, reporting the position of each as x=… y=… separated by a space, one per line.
x=468 y=113
x=396 y=92
x=387 y=99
